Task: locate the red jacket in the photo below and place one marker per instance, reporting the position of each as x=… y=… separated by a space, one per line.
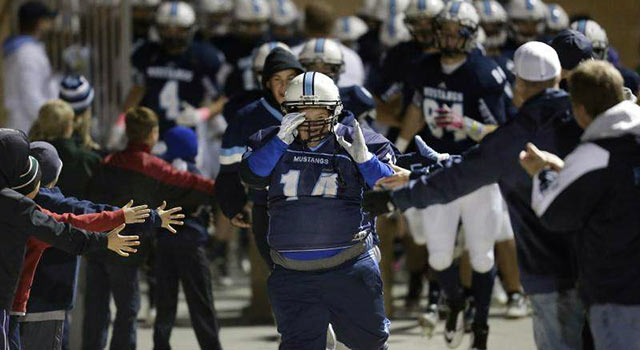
x=98 y=222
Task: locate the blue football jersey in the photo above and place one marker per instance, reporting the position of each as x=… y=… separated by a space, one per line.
x=358 y=100
x=478 y=89
x=315 y=195
x=171 y=80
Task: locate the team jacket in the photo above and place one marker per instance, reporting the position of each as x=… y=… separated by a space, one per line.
x=545 y=256
x=20 y=220
x=137 y=174
x=55 y=280
x=597 y=196
x=315 y=196
x=99 y=222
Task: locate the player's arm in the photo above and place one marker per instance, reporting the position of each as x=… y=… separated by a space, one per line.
x=134 y=97
x=389 y=112
x=412 y=122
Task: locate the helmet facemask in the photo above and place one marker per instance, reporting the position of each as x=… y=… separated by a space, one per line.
x=422 y=30
x=329 y=69
x=454 y=38
x=496 y=34
x=315 y=130
x=175 y=39
x=525 y=30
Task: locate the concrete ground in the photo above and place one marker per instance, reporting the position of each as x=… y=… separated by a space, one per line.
x=405 y=333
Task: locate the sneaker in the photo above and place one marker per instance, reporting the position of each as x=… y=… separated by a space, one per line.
x=469 y=314
x=454 y=328
x=479 y=336
x=331 y=338
x=517 y=306
x=429 y=319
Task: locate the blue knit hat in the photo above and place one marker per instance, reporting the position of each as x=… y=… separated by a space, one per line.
x=182 y=142
x=49 y=160
x=76 y=90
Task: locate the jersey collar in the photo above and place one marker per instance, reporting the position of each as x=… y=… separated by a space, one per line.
x=274 y=112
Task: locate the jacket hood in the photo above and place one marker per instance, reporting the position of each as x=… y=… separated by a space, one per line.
x=279 y=60
x=619 y=120
x=548 y=105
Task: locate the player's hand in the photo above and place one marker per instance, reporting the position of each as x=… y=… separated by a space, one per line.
x=429 y=152
x=358 y=148
x=378 y=202
x=289 y=126
x=534 y=160
x=135 y=215
x=170 y=217
x=448 y=119
x=122 y=245
x=393 y=182
x=189 y=116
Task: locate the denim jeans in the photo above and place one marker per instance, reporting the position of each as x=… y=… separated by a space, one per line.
x=615 y=326
x=558 y=319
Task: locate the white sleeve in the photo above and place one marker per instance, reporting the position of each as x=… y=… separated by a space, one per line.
x=35 y=83
x=354 y=69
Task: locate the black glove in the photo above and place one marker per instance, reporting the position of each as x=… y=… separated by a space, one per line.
x=378 y=202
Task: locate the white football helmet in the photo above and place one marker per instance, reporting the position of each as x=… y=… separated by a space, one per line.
x=557 y=19
x=596 y=34
x=175 y=14
x=322 y=55
x=527 y=19
x=215 y=16
x=419 y=19
x=465 y=15
x=309 y=90
x=260 y=56
x=283 y=12
x=481 y=37
x=394 y=32
x=349 y=28
x=368 y=9
x=251 y=11
x=388 y=9
x=493 y=20
x=175 y=21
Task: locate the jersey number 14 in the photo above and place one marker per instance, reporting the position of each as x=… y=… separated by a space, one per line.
x=326 y=186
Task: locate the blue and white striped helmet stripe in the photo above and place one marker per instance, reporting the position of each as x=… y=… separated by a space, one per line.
x=392 y=8
x=307 y=85
x=281 y=7
x=346 y=25
x=582 y=26
x=487 y=7
x=529 y=4
x=272 y=45
x=256 y=6
x=319 y=45
x=455 y=7
x=174 y=8
x=422 y=5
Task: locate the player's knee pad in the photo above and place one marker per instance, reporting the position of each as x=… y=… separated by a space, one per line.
x=440 y=261
x=482 y=264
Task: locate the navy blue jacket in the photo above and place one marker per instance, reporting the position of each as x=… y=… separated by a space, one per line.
x=57 y=273
x=546 y=258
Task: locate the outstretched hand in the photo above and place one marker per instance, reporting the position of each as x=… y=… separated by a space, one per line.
x=135 y=215
x=358 y=148
x=534 y=160
x=121 y=245
x=170 y=217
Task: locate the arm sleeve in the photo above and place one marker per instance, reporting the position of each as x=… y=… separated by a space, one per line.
x=378 y=166
x=258 y=141
x=181 y=188
x=482 y=165
x=576 y=189
x=97 y=222
x=262 y=161
x=61 y=236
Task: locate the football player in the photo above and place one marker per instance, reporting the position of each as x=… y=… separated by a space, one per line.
x=526 y=23
x=174 y=75
x=348 y=30
x=493 y=19
x=250 y=29
x=557 y=20
x=598 y=37
x=322 y=243
x=215 y=16
x=457 y=93
x=325 y=56
x=285 y=22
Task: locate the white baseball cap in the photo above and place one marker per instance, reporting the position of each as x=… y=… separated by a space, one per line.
x=536 y=61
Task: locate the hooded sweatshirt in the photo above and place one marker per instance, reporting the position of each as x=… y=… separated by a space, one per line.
x=597 y=196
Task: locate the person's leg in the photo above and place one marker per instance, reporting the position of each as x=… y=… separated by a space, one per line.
x=558 y=319
x=42 y=335
x=12 y=334
x=615 y=326
x=167 y=267
x=416 y=266
x=386 y=228
x=95 y=322
x=301 y=316
x=259 y=310
x=353 y=295
x=126 y=295
x=196 y=283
